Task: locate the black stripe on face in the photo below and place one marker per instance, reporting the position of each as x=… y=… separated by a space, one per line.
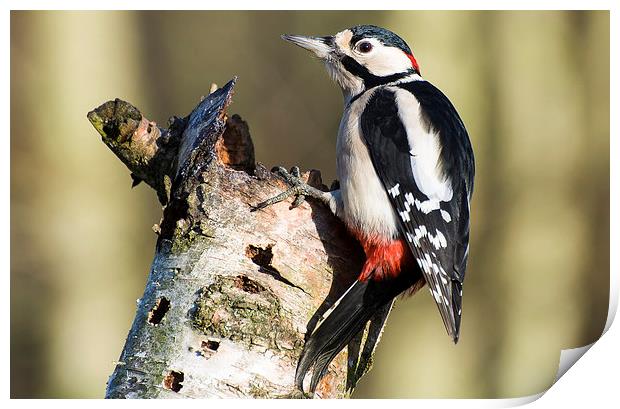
x=370 y=80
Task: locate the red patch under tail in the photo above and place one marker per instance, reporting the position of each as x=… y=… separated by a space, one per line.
x=384 y=258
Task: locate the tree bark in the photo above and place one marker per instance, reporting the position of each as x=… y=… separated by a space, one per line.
x=231 y=293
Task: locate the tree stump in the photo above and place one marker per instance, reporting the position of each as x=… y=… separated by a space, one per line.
x=231 y=293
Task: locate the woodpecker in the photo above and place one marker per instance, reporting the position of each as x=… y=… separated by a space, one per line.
x=406 y=171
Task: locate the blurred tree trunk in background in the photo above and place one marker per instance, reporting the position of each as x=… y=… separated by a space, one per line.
x=78 y=259
x=592 y=178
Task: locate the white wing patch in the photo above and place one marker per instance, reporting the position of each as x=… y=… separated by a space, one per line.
x=425 y=150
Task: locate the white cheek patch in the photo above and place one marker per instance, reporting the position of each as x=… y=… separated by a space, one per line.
x=383 y=61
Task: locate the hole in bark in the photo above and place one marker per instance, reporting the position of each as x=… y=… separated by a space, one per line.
x=158 y=311
x=235 y=148
x=210 y=345
x=263 y=257
x=249 y=286
x=207 y=348
x=260 y=256
x=172 y=381
x=176 y=210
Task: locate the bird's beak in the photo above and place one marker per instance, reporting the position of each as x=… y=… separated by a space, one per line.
x=321 y=46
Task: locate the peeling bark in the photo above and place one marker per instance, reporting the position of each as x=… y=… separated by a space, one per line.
x=231 y=293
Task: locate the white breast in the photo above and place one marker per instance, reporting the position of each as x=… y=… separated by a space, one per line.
x=366 y=206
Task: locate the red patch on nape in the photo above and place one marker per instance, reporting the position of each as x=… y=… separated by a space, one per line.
x=414 y=63
x=384 y=258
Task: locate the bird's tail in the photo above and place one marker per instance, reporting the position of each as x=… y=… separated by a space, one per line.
x=353 y=310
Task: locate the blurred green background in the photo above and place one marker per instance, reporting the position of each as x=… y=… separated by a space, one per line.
x=532 y=88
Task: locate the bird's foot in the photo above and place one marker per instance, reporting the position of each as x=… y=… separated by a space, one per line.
x=298 y=188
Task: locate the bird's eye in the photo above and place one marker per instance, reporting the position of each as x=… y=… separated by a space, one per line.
x=364 y=47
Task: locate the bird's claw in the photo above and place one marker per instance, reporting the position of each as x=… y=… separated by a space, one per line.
x=299 y=199
x=292 y=177
x=297 y=188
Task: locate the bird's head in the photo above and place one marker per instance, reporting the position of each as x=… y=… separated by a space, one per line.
x=361 y=57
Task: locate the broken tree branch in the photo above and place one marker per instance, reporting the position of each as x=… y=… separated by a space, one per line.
x=231 y=293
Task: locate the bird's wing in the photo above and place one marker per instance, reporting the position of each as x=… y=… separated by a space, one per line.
x=436 y=230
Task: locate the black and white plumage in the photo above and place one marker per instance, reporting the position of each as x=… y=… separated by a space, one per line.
x=406 y=171
x=420 y=150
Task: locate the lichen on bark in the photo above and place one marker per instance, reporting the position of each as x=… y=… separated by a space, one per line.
x=243 y=310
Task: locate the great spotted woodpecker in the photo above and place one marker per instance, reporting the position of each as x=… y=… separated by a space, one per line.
x=406 y=171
